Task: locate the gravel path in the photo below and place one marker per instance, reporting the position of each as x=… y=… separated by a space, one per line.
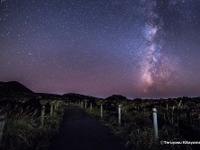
x=81 y=132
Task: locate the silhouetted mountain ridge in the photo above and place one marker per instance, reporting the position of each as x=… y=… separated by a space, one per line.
x=13 y=87
x=15 y=90
x=48 y=96
x=74 y=96
x=116 y=97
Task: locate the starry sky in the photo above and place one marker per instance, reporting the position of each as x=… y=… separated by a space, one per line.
x=136 y=48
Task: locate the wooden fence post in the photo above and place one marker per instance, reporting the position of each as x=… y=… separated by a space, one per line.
x=102 y=111
x=2 y=124
x=51 y=109
x=119 y=114
x=42 y=115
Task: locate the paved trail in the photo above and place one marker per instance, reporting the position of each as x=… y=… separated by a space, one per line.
x=81 y=132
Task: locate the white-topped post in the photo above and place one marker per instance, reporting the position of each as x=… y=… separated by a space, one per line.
x=155 y=124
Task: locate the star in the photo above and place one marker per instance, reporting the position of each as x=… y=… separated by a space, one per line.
x=134 y=48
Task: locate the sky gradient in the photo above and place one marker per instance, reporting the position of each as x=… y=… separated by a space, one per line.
x=136 y=48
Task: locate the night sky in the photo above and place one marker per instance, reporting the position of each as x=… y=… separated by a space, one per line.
x=136 y=48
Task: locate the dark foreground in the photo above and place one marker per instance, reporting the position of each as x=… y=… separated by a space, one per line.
x=81 y=132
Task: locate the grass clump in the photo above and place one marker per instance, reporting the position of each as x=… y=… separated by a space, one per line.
x=24 y=131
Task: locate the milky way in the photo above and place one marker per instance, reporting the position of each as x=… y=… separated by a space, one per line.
x=156 y=68
x=136 y=48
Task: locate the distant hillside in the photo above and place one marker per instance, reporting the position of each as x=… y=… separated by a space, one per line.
x=49 y=96
x=73 y=96
x=13 y=88
x=116 y=97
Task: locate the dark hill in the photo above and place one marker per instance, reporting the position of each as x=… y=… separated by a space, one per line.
x=73 y=96
x=13 y=87
x=116 y=97
x=49 y=96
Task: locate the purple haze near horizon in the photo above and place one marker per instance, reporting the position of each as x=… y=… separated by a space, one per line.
x=135 y=48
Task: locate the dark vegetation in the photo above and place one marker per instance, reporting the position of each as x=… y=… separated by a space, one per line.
x=178 y=118
x=22 y=110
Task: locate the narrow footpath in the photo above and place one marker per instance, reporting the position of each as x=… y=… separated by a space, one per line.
x=79 y=131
